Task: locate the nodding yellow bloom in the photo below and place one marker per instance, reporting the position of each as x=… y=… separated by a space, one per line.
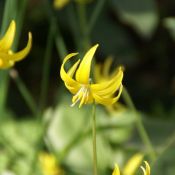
x=59 y=4
x=49 y=165
x=145 y=171
x=82 y=86
x=7 y=57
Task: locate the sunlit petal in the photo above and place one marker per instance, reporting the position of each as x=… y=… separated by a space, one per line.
x=146 y=171
x=64 y=75
x=21 y=54
x=108 y=87
x=97 y=73
x=7 y=40
x=72 y=70
x=116 y=170
x=83 y=72
x=133 y=164
x=107 y=65
x=105 y=100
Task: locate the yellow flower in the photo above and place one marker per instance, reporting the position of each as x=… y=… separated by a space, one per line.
x=83 y=88
x=7 y=57
x=49 y=165
x=145 y=171
x=59 y=4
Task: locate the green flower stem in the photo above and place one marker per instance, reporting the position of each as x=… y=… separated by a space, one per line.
x=24 y=91
x=46 y=69
x=3 y=90
x=10 y=12
x=59 y=41
x=81 y=10
x=73 y=23
x=94 y=137
x=167 y=144
x=95 y=14
x=139 y=125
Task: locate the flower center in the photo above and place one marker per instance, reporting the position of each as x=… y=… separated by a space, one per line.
x=82 y=95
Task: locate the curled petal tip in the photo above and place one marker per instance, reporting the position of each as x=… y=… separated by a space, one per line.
x=30 y=35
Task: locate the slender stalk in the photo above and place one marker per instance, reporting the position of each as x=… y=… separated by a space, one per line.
x=9 y=12
x=24 y=91
x=81 y=10
x=59 y=41
x=168 y=143
x=94 y=137
x=95 y=14
x=46 y=69
x=140 y=127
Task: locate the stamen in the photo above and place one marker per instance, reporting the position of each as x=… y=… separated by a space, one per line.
x=82 y=95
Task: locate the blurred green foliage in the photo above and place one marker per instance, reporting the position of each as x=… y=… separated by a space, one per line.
x=139 y=34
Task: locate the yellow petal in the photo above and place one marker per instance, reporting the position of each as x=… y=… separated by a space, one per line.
x=116 y=170
x=83 y=72
x=107 y=100
x=107 y=65
x=7 y=40
x=68 y=80
x=71 y=72
x=146 y=171
x=73 y=69
x=97 y=73
x=133 y=164
x=108 y=87
x=21 y=54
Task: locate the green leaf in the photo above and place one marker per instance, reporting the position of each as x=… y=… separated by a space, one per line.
x=141 y=14
x=169 y=23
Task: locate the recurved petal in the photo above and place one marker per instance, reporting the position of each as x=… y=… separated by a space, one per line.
x=83 y=72
x=108 y=87
x=107 y=65
x=7 y=40
x=116 y=170
x=97 y=73
x=133 y=164
x=107 y=100
x=72 y=70
x=66 y=77
x=146 y=171
x=18 y=55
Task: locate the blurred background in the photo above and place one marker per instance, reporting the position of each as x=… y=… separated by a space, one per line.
x=138 y=34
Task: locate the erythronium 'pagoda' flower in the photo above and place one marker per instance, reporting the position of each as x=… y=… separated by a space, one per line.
x=146 y=171
x=49 y=165
x=7 y=57
x=83 y=88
